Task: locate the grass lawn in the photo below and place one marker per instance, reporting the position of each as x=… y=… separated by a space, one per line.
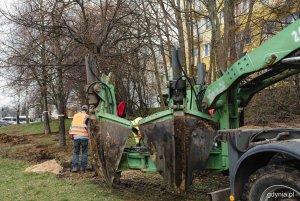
x=33 y=128
x=26 y=145
x=15 y=184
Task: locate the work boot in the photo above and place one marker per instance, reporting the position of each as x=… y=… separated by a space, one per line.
x=74 y=169
x=82 y=169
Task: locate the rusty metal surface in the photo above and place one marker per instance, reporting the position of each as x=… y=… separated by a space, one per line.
x=178 y=146
x=108 y=142
x=201 y=135
x=159 y=139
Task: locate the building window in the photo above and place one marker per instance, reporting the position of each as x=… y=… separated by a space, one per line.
x=245 y=6
x=221 y=16
x=242 y=7
x=196 y=56
x=270 y=29
x=198 y=6
x=206 y=50
x=238 y=39
x=287 y=20
x=241 y=41
x=247 y=38
x=207 y=23
x=197 y=26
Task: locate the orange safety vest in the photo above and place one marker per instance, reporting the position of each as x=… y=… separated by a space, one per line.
x=78 y=124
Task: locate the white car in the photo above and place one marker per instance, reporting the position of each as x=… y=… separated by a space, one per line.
x=3 y=123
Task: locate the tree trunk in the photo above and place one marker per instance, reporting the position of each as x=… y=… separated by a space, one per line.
x=229 y=31
x=211 y=72
x=198 y=43
x=27 y=117
x=180 y=32
x=189 y=37
x=139 y=81
x=247 y=30
x=18 y=107
x=47 y=129
x=168 y=40
x=166 y=30
x=216 y=38
x=45 y=77
x=191 y=41
x=26 y=108
x=161 y=43
x=18 y=114
x=60 y=108
x=156 y=73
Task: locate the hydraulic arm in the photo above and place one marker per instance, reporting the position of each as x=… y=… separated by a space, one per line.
x=275 y=60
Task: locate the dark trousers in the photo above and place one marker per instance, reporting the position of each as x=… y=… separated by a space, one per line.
x=83 y=143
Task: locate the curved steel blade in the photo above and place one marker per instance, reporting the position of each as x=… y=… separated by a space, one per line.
x=109 y=140
x=178 y=144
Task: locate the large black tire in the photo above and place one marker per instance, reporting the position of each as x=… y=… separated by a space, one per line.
x=273 y=182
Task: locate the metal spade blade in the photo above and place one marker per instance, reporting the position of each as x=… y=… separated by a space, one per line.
x=179 y=144
x=109 y=140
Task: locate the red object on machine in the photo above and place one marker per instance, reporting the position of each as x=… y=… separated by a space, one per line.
x=211 y=112
x=121 y=109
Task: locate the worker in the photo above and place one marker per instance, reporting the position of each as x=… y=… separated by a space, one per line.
x=136 y=131
x=80 y=136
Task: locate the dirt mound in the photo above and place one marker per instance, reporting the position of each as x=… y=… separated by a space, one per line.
x=33 y=148
x=138 y=179
x=48 y=166
x=40 y=154
x=13 y=139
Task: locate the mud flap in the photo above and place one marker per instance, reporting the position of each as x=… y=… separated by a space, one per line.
x=108 y=140
x=179 y=144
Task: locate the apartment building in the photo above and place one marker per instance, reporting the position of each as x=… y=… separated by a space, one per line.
x=265 y=19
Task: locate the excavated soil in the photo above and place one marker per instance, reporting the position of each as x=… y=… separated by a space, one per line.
x=14 y=139
x=26 y=148
x=133 y=185
x=48 y=166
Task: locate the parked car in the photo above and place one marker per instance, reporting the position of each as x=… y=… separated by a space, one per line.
x=3 y=123
x=10 y=120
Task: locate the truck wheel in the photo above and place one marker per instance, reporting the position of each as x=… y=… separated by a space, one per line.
x=273 y=182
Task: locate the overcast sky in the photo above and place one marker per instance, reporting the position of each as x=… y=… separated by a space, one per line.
x=5 y=98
